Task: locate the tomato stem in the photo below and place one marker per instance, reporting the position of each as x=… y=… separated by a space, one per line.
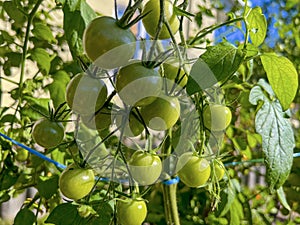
x=170 y=204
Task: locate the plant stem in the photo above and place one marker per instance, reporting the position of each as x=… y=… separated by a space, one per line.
x=170 y=204
x=24 y=55
x=169 y=191
x=201 y=35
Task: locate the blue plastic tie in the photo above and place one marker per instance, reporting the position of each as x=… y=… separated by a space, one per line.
x=174 y=180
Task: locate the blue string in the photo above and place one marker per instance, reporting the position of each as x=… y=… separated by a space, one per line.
x=42 y=156
x=166 y=182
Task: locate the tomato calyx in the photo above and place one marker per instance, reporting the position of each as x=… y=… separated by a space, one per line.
x=126 y=20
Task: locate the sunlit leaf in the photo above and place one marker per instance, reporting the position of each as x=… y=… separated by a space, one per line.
x=218 y=63
x=257 y=25
x=282 y=76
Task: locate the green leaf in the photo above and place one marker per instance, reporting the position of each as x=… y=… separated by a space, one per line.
x=104 y=211
x=43 y=59
x=64 y=214
x=227 y=197
x=257 y=25
x=223 y=59
x=236 y=212
x=282 y=76
x=24 y=217
x=35 y=107
x=74 y=24
x=42 y=32
x=87 y=13
x=13 y=12
x=200 y=78
x=57 y=88
x=7 y=179
x=282 y=198
x=277 y=135
x=47 y=186
x=290 y=4
x=73 y=4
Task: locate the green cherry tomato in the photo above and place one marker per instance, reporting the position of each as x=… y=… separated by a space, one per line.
x=103 y=37
x=85 y=95
x=130 y=125
x=47 y=134
x=193 y=171
x=102 y=120
x=219 y=169
x=138 y=85
x=174 y=73
x=76 y=183
x=22 y=155
x=131 y=211
x=217 y=117
x=161 y=114
x=145 y=168
x=151 y=20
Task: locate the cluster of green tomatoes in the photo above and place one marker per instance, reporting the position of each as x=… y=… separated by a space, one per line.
x=147 y=104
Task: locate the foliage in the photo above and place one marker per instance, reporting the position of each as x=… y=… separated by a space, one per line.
x=256 y=80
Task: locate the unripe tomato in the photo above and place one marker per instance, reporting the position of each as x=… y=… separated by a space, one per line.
x=131 y=127
x=219 y=169
x=22 y=155
x=138 y=85
x=103 y=37
x=145 y=168
x=172 y=72
x=217 y=117
x=161 y=114
x=102 y=120
x=47 y=134
x=151 y=20
x=131 y=211
x=85 y=95
x=76 y=183
x=195 y=172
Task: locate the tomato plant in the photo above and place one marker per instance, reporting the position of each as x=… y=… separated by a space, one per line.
x=47 y=134
x=161 y=114
x=145 y=167
x=131 y=211
x=166 y=112
x=74 y=177
x=82 y=87
x=152 y=18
